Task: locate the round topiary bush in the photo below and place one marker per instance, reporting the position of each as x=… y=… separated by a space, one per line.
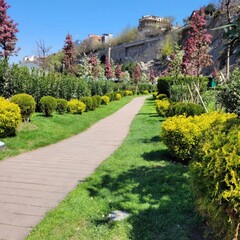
x=105 y=100
x=26 y=103
x=48 y=105
x=76 y=107
x=98 y=100
x=88 y=102
x=10 y=118
x=62 y=105
x=118 y=96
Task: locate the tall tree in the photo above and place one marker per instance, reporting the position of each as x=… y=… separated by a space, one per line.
x=196 y=55
x=108 y=69
x=8 y=30
x=69 y=50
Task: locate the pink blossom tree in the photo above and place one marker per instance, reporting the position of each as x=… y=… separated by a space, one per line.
x=8 y=30
x=69 y=58
x=108 y=69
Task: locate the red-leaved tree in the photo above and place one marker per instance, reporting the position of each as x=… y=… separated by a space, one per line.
x=8 y=30
x=69 y=58
x=152 y=75
x=196 y=55
x=137 y=73
x=108 y=69
x=118 y=71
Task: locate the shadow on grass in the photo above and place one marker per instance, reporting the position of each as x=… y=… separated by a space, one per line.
x=157 y=197
x=153 y=139
x=158 y=155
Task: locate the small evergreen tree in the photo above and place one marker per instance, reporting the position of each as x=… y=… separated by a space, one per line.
x=8 y=30
x=118 y=71
x=108 y=70
x=69 y=59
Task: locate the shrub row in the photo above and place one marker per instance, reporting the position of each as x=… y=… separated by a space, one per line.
x=212 y=143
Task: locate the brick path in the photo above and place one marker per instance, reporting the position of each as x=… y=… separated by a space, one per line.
x=33 y=183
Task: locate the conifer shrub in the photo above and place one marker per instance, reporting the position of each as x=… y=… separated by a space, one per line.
x=111 y=96
x=48 y=105
x=88 y=101
x=181 y=134
x=118 y=96
x=105 y=100
x=128 y=92
x=76 y=107
x=10 y=117
x=62 y=105
x=162 y=107
x=184 y=108
x=26 y=103
x=94 y=103
x=98 y=99
x=215 y=175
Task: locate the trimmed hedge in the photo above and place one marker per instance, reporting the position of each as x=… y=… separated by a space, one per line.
x=10 y=117
x=162 y=107
x=184 y=108
x=26 y=103
x=88 y=102
x=182 y=134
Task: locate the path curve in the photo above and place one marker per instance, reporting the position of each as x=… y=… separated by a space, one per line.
x=33 y=183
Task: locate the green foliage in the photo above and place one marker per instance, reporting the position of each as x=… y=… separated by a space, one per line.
x=215 y=172
x=118 y=96
x=88 y=102
x=62 y=105
x=229 y=97
x=128 y=92
x=146 y=86
x=105 y=100
x=167 y=46
x=26 y=103
x=182 y=134
x=10 y=117
x=98 y=100
x=76 y=107
x=48 y=105
x=129 y=34
x=163 y=85
x=111 y=96
x=161 y=96
x=162 y=107
x=183 y=108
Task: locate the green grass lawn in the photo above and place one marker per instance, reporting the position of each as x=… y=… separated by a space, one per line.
x=42 y=131
x=138 y=178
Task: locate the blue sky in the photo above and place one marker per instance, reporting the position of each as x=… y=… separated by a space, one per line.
x=52 y=20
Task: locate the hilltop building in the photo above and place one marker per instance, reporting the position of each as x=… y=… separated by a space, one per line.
x=152 y=25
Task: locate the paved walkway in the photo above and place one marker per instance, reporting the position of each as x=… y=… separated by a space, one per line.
x=33 y=183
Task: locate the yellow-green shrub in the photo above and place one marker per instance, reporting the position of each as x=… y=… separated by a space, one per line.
x=10 y=117
x=162 y=107
x=154 y=94
x=118 y=96
x=26 y=103
x=129 y=93
x=105 y=100
x=145 y=92
x=182 y=134
x=76 y=107
x=215 y=174
x=48 y=105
